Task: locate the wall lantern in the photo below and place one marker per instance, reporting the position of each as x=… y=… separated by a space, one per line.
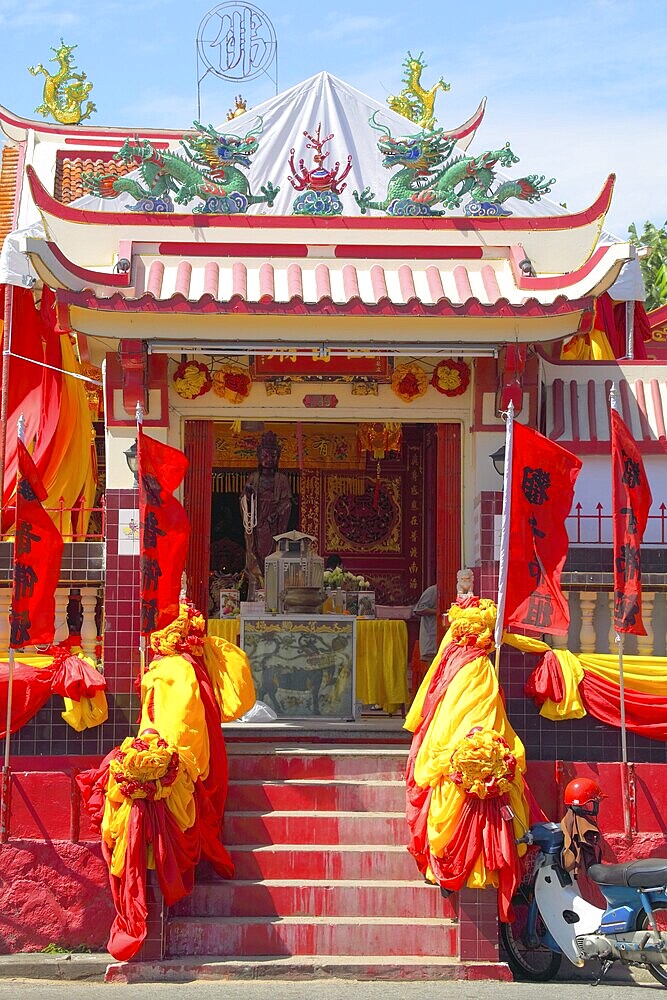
x=132 y=460
x=498 y=459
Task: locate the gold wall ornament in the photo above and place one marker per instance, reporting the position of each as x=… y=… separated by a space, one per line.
x=64 y=91
x=364 y=387
x=378 y=438
x=278 y=387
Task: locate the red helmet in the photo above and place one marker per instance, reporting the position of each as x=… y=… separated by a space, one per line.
x=583 y=795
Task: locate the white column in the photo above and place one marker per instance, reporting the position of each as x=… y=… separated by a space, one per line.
x=646 y=643
x=561 y=641
x=62 y=629
x=587 y=601
x=612 y=631
x=88 y=627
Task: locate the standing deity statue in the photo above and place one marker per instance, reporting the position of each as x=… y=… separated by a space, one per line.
x=266 y=504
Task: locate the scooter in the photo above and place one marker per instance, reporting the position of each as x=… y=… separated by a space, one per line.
x=553 y=919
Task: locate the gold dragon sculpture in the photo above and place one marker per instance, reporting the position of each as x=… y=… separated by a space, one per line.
x=64 y=91
x=414 y=102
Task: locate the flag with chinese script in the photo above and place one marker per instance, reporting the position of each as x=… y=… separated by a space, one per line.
x=541 y=484
x=630 y=503
x=38 y=549
x=164 y=531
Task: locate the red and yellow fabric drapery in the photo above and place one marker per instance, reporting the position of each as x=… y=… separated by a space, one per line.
x=465 y=763
x=159 y=797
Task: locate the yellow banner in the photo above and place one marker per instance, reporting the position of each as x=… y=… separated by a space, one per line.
x=309 y=446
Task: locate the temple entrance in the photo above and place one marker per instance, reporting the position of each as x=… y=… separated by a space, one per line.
x=365 y=501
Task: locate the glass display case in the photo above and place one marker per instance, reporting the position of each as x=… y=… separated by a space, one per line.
x=303 y=666
x=294 y=575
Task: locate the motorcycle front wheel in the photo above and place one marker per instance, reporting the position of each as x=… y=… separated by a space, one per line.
x=658 y=972
x=534 y=964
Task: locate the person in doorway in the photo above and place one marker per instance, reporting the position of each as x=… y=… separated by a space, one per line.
x=266 y=504
x=424 y=609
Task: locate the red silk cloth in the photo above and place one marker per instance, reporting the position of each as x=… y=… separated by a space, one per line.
x=645 y=714
x=543 y=475
x=67 y=675
x=164 y=531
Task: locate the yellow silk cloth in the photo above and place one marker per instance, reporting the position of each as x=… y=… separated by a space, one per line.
x=593 y=346
x=381 y=661
x=645 y=674
x=224 y=628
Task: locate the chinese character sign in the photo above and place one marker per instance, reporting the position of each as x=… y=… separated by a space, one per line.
x=164 y=532
x=38 y=548
x=542 y=488
x=630 y=501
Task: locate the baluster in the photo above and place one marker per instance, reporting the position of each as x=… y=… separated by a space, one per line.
x=88 y=626
x=62 y=628
x=646 y=643
x=587 y=600
x=5 y=603
x=561 y=641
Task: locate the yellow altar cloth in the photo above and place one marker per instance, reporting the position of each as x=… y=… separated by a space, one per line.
x=381 y=661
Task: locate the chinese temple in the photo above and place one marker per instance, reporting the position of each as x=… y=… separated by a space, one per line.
x=375 y=294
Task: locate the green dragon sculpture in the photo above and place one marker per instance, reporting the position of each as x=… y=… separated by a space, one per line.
x=64 y=91
x=210 y=171
x=414 y=102
x=423 y=180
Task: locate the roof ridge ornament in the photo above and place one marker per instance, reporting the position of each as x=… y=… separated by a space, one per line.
x=211 y=173
x=64 y=91
x=321 y=186
x=428 y=175
x=414 y=102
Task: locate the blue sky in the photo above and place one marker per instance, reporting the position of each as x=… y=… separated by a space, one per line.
x=578 y=88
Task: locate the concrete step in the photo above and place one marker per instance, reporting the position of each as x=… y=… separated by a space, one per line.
x=348 y=795
x=279 y=764
x=346 y=897
x=310 y=936
x=328 y=861
x=308 y=967
x=373 y=829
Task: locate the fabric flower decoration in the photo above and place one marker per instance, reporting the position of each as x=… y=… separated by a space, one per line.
x=409 y=381
x=192 y=379
x=483 y=764
x=451 y=378
x=232 y=383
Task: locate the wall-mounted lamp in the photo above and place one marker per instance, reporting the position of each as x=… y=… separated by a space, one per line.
x=122 y=265
x=527 y=268
x=498 y=459
x=132 y=460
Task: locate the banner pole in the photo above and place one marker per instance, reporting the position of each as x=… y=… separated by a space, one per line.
x=624 y=740
x=6 y=769
x=504 y=533
x=142 y=638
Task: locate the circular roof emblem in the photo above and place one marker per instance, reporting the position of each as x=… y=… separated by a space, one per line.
x=236 y=41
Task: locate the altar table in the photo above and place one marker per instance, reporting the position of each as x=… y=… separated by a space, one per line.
x=381 y=661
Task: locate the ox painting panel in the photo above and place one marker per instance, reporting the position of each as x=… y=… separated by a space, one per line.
x=303 y=666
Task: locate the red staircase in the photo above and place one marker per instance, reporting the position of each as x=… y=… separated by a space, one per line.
x=324 y=885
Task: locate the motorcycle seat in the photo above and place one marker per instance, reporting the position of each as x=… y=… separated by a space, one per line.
x=646 y=874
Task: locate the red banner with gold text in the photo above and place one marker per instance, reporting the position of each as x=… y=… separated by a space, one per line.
x=164 y=531
x=630 y=503
x=542 y=488
x=38 y=548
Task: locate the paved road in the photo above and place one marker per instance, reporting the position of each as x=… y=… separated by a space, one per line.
x=326 y=989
